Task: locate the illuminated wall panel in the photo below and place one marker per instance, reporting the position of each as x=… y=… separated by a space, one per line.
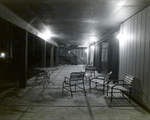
x=135 y=51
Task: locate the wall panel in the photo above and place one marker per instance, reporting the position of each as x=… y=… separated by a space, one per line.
x=135 y=51
x=147 y=55
x=128 y=46
x=125 y=53
x=148 y=39
x=112 y=61
x=134 y=47
x=121 y=53
x=138 y=45
x=135 y=57
x=97 y=58
x=142 y=53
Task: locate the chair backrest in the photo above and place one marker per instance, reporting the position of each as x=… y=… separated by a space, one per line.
x=107 y=76
x=77 y=76
x=127 y=79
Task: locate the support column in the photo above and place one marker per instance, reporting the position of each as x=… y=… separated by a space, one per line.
x=23 y=60
x=43 y=53
x=7 y=45
x=88 y=56
x=52 y=56
x=56 y=56
x=11 y=42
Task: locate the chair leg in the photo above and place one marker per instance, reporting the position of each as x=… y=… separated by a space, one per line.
x=107 y=89
x=111 y=94
x=75 y=87
x=96 y=85
x=71 y=92
x=63 y=88
x=90 y=85
x=129 y=100
x=130 y=95
x=103 y=89
x=84 y=89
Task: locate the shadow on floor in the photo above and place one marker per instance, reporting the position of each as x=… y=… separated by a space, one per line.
x=118 y=102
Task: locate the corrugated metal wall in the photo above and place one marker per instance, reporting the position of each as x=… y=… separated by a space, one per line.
x=112 y=62
x=113 y=55
x=135 y=51
x=97 y=57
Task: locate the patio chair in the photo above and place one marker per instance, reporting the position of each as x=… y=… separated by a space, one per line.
x=100 y=80
x=89 y=71
x=76 y=80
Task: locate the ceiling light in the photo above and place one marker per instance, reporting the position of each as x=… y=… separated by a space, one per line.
x=47 y=34
x=86 y=50
x=92 y=47
x=120 y=36
x=2 y=55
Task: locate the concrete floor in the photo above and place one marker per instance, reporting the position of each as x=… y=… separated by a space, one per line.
x=38 y=103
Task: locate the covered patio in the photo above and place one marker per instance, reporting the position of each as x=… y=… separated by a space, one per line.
x=37 y=103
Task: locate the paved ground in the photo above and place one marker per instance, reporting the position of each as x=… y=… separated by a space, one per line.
x=38 y=103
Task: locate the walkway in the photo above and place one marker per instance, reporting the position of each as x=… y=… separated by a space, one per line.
x=36 y=103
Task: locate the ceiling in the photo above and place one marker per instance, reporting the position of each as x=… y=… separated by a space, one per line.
x=75 y=22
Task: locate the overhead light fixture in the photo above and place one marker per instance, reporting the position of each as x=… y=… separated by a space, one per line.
x=2 y=55
x=86 y=50
x=92 y=47
x=47 y=34
x=120 y=36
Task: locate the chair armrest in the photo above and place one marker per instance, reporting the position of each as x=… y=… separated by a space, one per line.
x=117 y=81
x=97 y=77
x=66 y=78
x=124 y=84
x=120 y=85
x=108 y=81
x=100 y=77
x=91 y=78
x=51 y=72
x=113 y=86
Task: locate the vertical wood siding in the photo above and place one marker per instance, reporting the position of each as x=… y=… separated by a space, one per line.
x=134 y=51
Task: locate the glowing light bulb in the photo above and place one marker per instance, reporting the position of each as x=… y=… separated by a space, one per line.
x=86 y=50
x=92 y=47
x=120 y=36
x=2 y=55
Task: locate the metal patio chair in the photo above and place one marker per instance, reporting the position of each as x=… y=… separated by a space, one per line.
x=75 y=81
x=100 y=80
